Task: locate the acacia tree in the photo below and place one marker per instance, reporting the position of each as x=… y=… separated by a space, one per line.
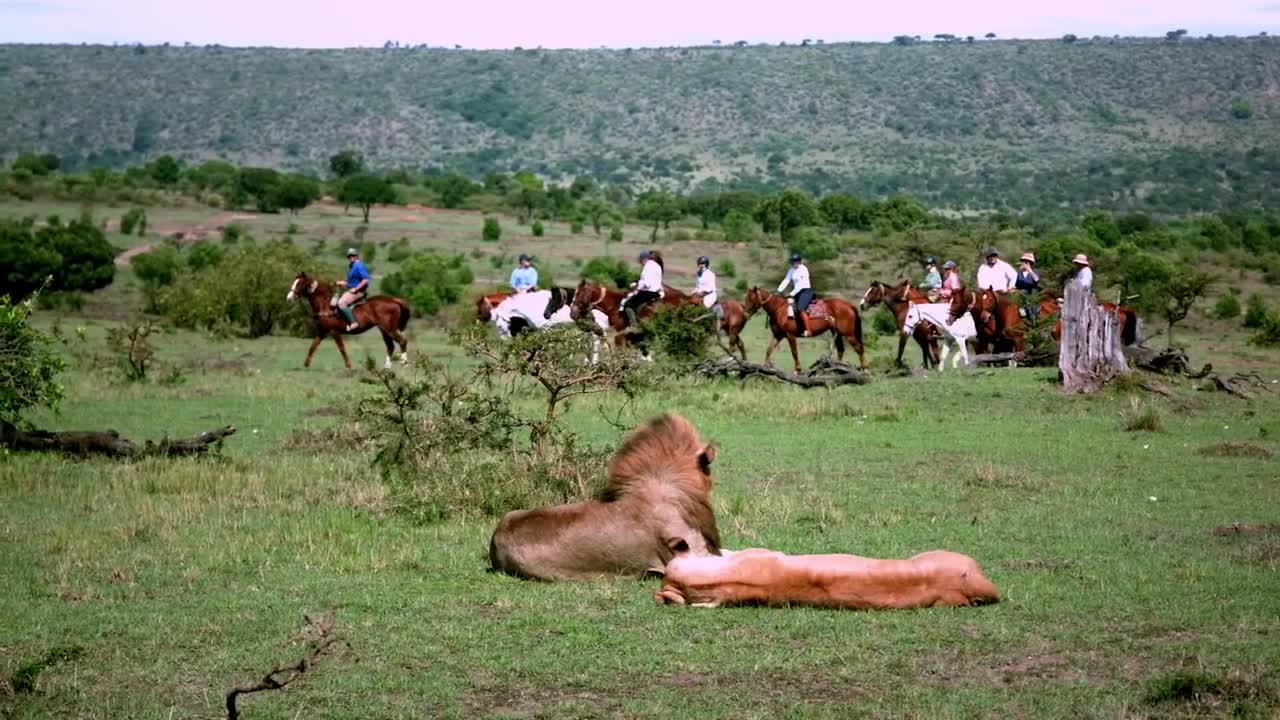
x=346 y=163
x=364 y=191
x=1180 y=292
x=786 y=211
x=659 y=208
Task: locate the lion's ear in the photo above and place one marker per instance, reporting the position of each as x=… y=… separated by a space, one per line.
x=706 y=457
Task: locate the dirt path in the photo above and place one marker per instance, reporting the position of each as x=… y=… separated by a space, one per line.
x=190 y=235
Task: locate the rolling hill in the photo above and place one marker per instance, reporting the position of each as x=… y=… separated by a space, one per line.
x=1164 y=126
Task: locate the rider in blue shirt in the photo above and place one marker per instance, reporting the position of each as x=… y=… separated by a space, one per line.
x=357 y=285
x=525 y=277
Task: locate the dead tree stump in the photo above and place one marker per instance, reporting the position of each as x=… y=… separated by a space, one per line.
x=1090 y=353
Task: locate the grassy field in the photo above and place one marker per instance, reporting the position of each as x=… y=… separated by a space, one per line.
x=170 y=581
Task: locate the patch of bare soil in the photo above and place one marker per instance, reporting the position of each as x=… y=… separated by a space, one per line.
x=1246 y=529
x=1235 y=449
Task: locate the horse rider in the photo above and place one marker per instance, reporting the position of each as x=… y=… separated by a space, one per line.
x=357 y=286
x=648 y=289
x=1082 y=272
x=952 y=282
x=705 y=288
x=932 y=279
x=801 y=293
x=1028 y=282
x=996 y=274
x=525 y=277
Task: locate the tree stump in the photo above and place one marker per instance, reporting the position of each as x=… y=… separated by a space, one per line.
x=1090 y=353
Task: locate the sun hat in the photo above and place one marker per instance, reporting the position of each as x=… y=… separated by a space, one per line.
x=1080 y=259
x=1029 y=257
x=948 y=264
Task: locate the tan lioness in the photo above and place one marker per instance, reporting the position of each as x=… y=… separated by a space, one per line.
x=765 y=577
x=657 y=501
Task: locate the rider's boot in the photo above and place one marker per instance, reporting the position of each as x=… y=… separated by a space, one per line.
x=349 y=314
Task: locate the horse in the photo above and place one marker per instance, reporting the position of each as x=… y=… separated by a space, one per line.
x=389 y=314
x=1125 y=315
x=484 y=311
x=589 y=296
x=957 y=332
x=996 y=319
x=543 y=308
x=897 y=299
x=657 y=502
x=843 y=321
x=764 y=577
x=732 y=322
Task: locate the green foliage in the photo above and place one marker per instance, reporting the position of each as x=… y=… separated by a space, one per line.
x=453 y=189
x=259 y=185
x=1101 y=227
x=1255 y=311
x=73 y=256
x=786 y=212
x=165 y=170
x=38 y=165
x=1227 y=307
x=492 y=231
x=1268 y=332
x=156 y=270
x=682 y=334
x=843 y=212
x=368 y=251
x=232 y=233
x=243 y=292
x=130 y=349
x=1241 y=109
x=660 y=208
x=429 y=281
x=576 y=226
x=365 y=191
x=134 y=220
x=400 y=250
x=883 y=322
x=814 y=245
x=346 y=163
x=29 y=367
x=202 y=255
x=1142 y=417
x=615 y=233
x=536 y=229
x=610 y=271
x=295 y=192
x=726 y=269
x=1177 y=294
x=739 y=227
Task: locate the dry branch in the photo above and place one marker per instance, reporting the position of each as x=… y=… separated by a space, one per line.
x=320 y=636
x=823 y=373
x=108 y=443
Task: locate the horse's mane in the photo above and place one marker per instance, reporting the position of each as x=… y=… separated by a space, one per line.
x=665 y=457
x=656 y=256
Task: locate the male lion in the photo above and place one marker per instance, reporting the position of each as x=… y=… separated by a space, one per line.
x=765 y=577
x=657 y=501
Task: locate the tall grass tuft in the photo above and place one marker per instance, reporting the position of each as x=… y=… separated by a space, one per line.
x=1142 y=417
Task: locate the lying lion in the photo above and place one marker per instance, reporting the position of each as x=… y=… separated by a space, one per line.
x=765 y=577
x=658 y=498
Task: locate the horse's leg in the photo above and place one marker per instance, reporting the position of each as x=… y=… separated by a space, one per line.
x=795 y=352
x=902 y=346
x=403 y=342
x=315 y=343
x=342 y=348
x=942 y=359
x=858 y=347
x=768 y=354
x=391 y=348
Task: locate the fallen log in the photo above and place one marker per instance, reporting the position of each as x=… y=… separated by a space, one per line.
x=106 y=443
x=996 y=359
x=823 y=373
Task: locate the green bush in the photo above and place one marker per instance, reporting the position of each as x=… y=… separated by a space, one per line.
x=1268 y=333
x=615 y=234
x=29 y=367
x=202 y=255
x=726 y=268
x=492 y=231
x=536 y=228
x=1227 y=307
x=681 y=333
x=883 y=322
x=232 y=233
x=400 y=251
x=740 y=227
x=1255 y=311
x=814 y=244
x=610 y=271
x=368 y=251
x=429 y=281
x=575 y=226
x=133 y=220
x=156 y=270
x=72 y=256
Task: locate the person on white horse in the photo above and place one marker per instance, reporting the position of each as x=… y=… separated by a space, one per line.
x=705 y=287
x=525 y=277
x=532 y=306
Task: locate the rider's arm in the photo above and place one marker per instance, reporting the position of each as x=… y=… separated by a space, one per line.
x=533 y=278
x=512 y=281
x=786 y=280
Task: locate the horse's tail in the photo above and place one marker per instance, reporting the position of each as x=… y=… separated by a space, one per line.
x=404 y=314
x=1129 y=332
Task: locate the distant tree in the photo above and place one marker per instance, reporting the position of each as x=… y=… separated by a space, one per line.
x=295 y=192
x=739 y=227
x=453 y=189
x=1241 y=109
x=74 y=257
x=429 y=281
x=496 y=182
x=527 y=194
x=704 y=206
x=581 y=187
x=597 y=211
x=1174 y=35
x=605 y=271
x=787 y=211
x=990 y=36
x=1134 y=223
x=903 y=40
x=1180 y=292
x=156 y=269
x=559 y=202
x=260 y=184
x=164 y=170
x=38 y=165
x=365 y=191
x=346 y=163
x=844 y=212
x=659 y=208
x=213 y=174
x=202 y=255
x=1069 y=38
x=491 y=231
x=1102 y=227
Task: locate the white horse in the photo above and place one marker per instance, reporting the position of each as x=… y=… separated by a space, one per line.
x=532 y=308
x=958 y=333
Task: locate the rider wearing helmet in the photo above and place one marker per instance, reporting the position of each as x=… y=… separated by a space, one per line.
x=801 y=293
x=648 y=289
x=525 y=277
x=952 y=282
x=932 y=279
x=357 y=286
x=705 y=288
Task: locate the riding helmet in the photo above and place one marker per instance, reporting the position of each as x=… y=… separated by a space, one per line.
x=990 y=252
x=704 y=260
x=353 y=252
x=645 y=254
x=524 y=256
x=795 y=257
x=931 y=260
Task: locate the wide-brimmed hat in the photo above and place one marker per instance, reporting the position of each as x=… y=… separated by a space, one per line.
x=1080 y=259
x=948 y=264
x=990 y=252
x=352 y=251
x=1029 y=257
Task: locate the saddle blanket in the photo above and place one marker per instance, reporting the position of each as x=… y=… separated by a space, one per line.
x=817 y=310
x=938 y=314
x=333 y=301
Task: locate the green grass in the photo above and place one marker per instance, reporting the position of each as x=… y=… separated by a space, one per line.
x=147 y=589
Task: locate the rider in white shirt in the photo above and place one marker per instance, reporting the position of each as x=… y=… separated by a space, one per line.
x=705 y=288
x=1082 y=273
x=996 y=274
x=648 y=289
x=801 y=293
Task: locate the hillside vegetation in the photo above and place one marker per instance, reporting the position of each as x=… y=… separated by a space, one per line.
x=1150 y=124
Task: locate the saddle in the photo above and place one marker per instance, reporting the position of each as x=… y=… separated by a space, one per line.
x=333 y=301
x=817 y=310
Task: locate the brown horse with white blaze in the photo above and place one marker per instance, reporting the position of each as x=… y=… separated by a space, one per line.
x=842 y=320
x=389 y=314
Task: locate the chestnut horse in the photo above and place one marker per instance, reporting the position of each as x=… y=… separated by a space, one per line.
x=843 y=322
x=1127 y=317
x=897 y=298
x=389 y=314
x=734 y=320
x=589 y=296
x=995 y=317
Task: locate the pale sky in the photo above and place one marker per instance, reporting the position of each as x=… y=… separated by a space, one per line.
x=612 y=23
